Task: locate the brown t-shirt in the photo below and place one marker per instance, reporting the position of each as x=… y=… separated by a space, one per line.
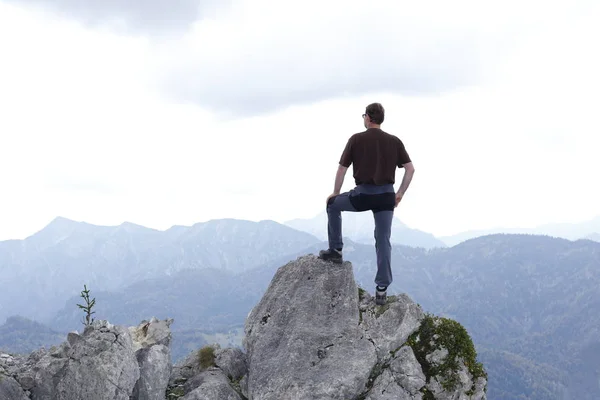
x=375 y=155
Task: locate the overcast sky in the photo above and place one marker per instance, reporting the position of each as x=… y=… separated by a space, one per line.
x=209 y=109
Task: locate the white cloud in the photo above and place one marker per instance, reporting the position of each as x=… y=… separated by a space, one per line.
x=154 y=17
x=263 y=55
x=84 y=133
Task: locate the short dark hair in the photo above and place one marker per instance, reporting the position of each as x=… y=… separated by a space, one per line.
x=376 y=112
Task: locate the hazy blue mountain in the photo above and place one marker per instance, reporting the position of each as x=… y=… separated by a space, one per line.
x=21 y=335
x=42 y=271
x=199 y=301
x=518 y=378
x=359 y=228
x=453 y=240
x=571 y=231
x=194 y=298
x=534 y=296
x=594 y=236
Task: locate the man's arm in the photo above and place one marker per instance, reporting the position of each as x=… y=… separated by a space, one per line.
x=344 y=164
x=409 y=171
x=339 y=179
x=405 y=162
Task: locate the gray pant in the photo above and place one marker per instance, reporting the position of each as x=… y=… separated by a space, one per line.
x=381 y=201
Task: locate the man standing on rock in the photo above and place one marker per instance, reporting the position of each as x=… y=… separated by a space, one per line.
x=375 y=154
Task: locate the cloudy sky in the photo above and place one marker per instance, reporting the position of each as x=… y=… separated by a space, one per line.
x=171 y=113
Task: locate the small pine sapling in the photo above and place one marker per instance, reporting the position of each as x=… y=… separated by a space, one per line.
x=85 y=294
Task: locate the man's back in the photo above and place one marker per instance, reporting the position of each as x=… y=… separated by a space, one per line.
x=375 y=155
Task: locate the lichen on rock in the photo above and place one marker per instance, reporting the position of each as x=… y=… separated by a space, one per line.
x=448 y=357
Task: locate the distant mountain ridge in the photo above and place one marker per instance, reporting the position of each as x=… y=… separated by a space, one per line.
x=572 y=231
x=594 y=236
x=358 y=226
x=22 y=335
x=40 y=272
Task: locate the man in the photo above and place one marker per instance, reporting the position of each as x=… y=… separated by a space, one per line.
x=375 y=154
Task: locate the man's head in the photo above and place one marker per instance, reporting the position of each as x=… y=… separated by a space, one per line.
x=374 y=115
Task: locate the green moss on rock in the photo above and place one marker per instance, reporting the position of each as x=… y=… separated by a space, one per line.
x=361 y=293
x=427 y=395
x=436 y=333
x=174 y=392
x=206 y=357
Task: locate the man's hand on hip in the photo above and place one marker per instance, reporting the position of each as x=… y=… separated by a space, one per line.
x=398 y=198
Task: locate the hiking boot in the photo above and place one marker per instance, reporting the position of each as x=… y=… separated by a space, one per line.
x=333 y=255
x=380 y=296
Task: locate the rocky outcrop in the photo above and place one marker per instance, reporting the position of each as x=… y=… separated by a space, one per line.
x=303 y=338
x=151 y=344
x=105 y=362
x=316 y=335
x=210 y=373
x=10 y=389
x=313 y=335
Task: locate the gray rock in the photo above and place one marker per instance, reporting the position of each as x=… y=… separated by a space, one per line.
x=186 y=368
x=437 y=357
x=211 y=385
x=6 y=359
x=155 y=369
x=185 y=375
x=26 y=380
x=389 y=326
x=45 y=372
x=480 y=390
x=151 y=342
x=407 y=371
x=10 y=389
x=244 y=386
x=9 y=364
x=150 y=333
x=386 y=388
x=401 y=379
x=464 y=386
x=105 y=362
x=100 y=365
x=232 y=362
x=303 y=338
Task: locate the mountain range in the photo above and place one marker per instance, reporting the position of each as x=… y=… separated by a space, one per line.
x=529 y=301
x=594 y=236
x=42 y=271
x=359 y=228
x=572 y=231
